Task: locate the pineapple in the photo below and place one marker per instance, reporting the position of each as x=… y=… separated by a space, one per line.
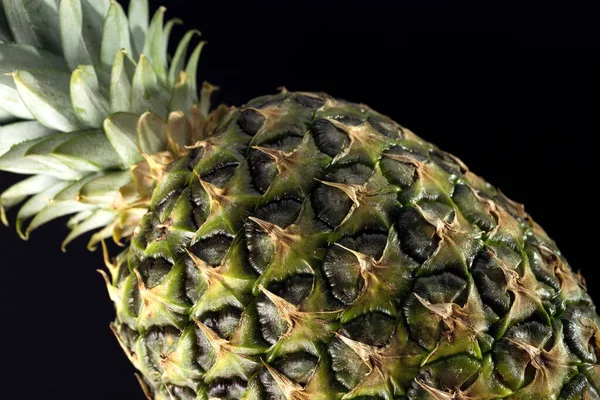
x=298 y=247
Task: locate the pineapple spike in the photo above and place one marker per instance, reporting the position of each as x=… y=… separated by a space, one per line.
x=290 y=389
x=351 y=190
x=365 y=262
x=443 y=310
x=277 y=235
x=132 y=357
x=143 y=385
x=365 y=352
x=287 y=311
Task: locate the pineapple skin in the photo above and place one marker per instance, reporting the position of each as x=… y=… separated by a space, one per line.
x=311 y=248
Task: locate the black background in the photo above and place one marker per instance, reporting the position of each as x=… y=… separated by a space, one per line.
x=510 y=89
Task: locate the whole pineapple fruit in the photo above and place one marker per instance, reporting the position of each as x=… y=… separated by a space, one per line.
x=299 y=247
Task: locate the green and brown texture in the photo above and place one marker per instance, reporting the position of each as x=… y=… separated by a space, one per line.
x=306 y=248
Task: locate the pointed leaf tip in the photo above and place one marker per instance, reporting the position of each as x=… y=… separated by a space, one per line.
x=90 y=100
x=116 y=34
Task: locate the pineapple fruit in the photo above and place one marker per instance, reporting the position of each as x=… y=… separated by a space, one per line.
x=299 y=247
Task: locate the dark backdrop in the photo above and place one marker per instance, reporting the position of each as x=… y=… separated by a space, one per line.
x=511 y=89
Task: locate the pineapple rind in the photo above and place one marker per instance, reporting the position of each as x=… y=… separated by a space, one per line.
x=312 y=248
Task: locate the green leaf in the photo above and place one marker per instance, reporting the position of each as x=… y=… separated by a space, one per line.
x=181 y=94
x=178 y=63
x=116 y=35
x=139 y=15
x=14 y=57
x=20 y=191
x=90 y=100
x=36 y=204
x=5 y=35
x=151 y=134
x=15 y=161
x=192 y=70
x=46 y=95
x=34 y=22
x=81 y=26
x=97 y=220
x=19 y=132
x=18 y=57
x=41 y=152
x=89 y=152
x=154 y=47
x=121 y=130
x=147 y=93
x=103 y=190
x=78 y=218
x=55 y=210
x=72 y=191
x=120 y=83
x=166 y=35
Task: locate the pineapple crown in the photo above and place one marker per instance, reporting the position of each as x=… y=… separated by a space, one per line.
x=93 y=108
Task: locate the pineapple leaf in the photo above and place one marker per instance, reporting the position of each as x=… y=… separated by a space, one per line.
x=178 y=63
x=22 y=190
x=154 y=48
x=56 y=210
x=91 y=151
x=116 y=34
x=14 y=57
x=99 y=219
x=181 y=98
x=36 y=204
x=147 y=93
x=120 y=83
x=81 y=30
x=20 y=57
x=72 y=191
x=192 y=70
x=151 y=134
x=121 y=130
x=104 y=189
x=34 y=22
x=5 y=35
x=20 y=132
x=41 y=152
x=139 y=15
x=15 y=161
x=165 y=47
x=45 y=94
x=90 y=100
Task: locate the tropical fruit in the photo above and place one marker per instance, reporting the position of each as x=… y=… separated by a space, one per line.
x=298 y=247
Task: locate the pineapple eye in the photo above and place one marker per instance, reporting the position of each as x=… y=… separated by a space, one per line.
x=227 y=389
x=341 y=267
x=330 y=140
x=385 y=126
x=251 y=121
x=220 y=175
x=297 y=366
x=212 y=250
x=374 y=329
x=310 y=101
x=417 y=236
x=223 y=322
